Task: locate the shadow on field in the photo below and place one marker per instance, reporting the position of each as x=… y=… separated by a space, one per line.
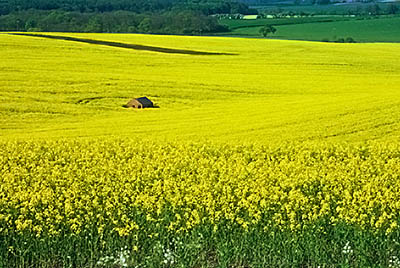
x=123 y=45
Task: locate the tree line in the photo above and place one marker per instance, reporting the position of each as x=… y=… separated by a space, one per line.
x=130 y=16
x=367 y=9
x=206 y=7
x=183 y=22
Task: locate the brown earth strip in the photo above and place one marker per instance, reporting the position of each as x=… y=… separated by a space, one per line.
x=123 y=45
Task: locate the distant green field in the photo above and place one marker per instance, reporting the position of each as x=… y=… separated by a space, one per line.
x=373 y=30
x=237 y=24
x=368 y=30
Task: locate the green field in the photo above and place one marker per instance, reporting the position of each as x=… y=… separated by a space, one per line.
x=361 y=30
x=259 y=152
x=234 y=24
x=335 y=9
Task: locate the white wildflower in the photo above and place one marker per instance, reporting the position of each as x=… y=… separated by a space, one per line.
x=347 y=249
x=394 y=262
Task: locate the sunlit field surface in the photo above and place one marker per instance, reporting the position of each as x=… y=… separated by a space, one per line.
x=272 y=154
x=270 y=91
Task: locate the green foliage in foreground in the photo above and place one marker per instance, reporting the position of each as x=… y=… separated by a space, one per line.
x=127 y=203
x=324 y=246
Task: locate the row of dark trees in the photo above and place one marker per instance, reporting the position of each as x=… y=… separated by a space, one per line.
x=358 y=10
x=183 y=22
x=9 y=6
x=376 y=9
x=206 y=7
x=130 y=16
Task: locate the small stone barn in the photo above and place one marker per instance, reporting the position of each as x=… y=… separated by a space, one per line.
x=142 y=102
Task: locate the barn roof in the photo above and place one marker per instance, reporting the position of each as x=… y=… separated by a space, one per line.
x=144 y=101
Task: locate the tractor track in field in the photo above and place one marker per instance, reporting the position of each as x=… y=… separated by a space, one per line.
x=124 y=45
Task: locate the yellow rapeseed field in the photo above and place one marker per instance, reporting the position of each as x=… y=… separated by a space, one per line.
x=269 y=91
x=61 y=187
x=269 y=135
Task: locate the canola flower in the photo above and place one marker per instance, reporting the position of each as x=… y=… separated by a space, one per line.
x=123 y=186
x=297 y=166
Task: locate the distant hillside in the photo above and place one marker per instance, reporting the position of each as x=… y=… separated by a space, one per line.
x=206 y=7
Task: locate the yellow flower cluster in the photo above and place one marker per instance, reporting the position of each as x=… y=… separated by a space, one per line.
x=121 y=186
